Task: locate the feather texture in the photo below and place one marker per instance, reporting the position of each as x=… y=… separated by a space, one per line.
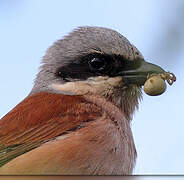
x=95 y=134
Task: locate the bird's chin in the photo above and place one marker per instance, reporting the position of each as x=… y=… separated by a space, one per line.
x=126 y=99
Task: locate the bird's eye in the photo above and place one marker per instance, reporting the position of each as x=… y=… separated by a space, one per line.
x=98 y=64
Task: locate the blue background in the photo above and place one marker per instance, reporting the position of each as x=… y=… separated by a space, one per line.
x=155 y=27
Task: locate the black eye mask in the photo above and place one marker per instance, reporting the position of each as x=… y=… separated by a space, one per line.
x=95 y=65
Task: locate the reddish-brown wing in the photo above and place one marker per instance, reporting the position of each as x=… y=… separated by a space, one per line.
x=40 y=118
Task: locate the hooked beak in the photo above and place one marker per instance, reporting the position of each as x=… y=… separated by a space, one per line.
x=139 y=75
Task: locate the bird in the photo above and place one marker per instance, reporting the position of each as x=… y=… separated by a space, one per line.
x=76 y=120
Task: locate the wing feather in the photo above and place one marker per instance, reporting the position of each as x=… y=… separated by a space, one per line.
x=40 y=118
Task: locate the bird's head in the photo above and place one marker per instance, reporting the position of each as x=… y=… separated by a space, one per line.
x=95 y=61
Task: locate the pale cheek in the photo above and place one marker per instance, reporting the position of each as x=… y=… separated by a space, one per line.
x=115 y=82
x=73 y=88
x=98 y=86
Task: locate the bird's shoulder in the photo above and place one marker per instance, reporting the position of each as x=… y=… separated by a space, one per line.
x=41 y=117
x=43 y=108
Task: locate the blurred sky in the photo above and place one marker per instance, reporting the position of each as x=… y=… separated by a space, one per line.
x=155 y=27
